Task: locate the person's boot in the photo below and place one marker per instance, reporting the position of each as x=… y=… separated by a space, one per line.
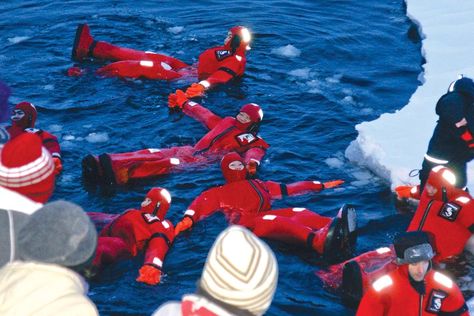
x=90 y=169
x=108 y=177
x=336 y=241
x=352 y=284
x=81 y=48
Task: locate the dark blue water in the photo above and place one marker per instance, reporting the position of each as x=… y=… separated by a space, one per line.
x=358 y=59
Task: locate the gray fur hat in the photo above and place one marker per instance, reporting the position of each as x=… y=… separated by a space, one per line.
x=60 y=232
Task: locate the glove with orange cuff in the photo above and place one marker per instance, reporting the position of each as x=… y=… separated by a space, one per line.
x=177 y=100
x=149 y=274
x=332 y=184
x=407 y=192
x=252 y=167
x=185 y=224
x=58 y=166
x=195 y=90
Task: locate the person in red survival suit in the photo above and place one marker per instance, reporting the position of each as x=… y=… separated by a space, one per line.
x=217 y=65
x=225 y=134
x=413 y=288
x=135 y=231
x=23 y=121
x=445 y=212
x=247 y=202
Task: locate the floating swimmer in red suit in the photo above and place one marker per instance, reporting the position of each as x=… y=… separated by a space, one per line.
x=23 y=121
x=247 y=202
x=216 y=65
x=445 y=212
x=135 y=231
x=225 y=134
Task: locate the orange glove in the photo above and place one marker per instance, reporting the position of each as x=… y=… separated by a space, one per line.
x=185 y=224
x=407 y=191
x=58 y=166
x=252 y=167
x=332 y=184
x=172 y=101
x=195 y=90
x=149 y=275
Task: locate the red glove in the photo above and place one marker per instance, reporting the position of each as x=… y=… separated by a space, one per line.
x=149 y=275
x=195 y=90
x=185 y=224
x=58 y=166
x=252 y=167
x=332 y=184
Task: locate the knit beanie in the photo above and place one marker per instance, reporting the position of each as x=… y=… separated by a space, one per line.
x=241 y=270
x=27 y=167
x=60 y=232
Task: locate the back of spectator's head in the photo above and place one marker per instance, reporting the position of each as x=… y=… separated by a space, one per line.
x=240 y=271
x=60 y=232
x=27 y=167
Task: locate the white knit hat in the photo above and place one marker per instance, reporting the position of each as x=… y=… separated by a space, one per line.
x=241 y=270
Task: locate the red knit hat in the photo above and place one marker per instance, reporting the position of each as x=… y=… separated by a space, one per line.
x=27 y=167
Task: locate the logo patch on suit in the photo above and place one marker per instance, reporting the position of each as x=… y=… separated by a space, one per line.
x=450 y=211
x=246 y=138
x=435 y=301
x=222 y=54
x=150 y=218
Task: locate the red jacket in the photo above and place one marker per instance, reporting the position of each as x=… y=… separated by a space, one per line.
x=218 y=65
x=451 y=224
x=224 y=135
x=142 y=230
x=393 y=295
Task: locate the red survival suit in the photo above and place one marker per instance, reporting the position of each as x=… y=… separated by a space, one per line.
x=23 y=121
x=448 y=218
x=217 y=65
x=138 y=230
x=393 y=295
x=248 y=203
x=225 y=134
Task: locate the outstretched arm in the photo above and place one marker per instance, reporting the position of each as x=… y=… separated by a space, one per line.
x=158 y=245
x=204 y=205
x=193 y=109
x=233 y=68
x=280 y=190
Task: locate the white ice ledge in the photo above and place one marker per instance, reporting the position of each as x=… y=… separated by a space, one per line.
x=395 y=143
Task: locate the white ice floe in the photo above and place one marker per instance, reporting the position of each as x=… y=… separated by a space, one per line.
x=395 y=143
x=287 y=51
x=97 y=137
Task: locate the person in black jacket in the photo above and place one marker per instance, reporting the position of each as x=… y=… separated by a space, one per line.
x=452 y=143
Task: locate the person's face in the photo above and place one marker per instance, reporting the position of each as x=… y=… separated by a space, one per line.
x=236 y=165
x=418 y=270
x=228 y=38
x=430 y=190
x=243 y=118
x=17 y=115
x=146 y=202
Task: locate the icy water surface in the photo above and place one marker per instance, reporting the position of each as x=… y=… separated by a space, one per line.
x=316 y=67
